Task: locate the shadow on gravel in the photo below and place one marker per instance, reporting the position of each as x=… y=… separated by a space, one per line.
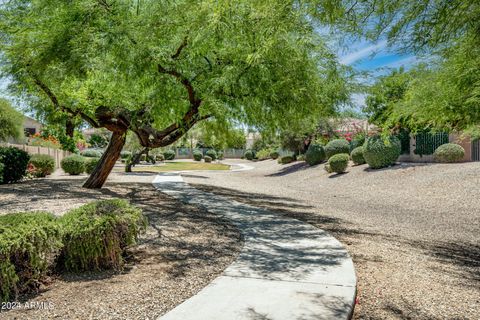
x=465 y=257
x=290 y=169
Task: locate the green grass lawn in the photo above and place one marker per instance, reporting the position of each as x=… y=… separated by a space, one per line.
x=182 y=166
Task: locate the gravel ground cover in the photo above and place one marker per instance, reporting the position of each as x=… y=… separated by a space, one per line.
x=413 y=230
x=183 y=250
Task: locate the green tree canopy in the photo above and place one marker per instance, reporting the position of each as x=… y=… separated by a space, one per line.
x=11 y=121
x=158 y=67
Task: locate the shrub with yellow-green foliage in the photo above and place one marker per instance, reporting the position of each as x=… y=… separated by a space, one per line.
x=29 y=243
x=263 y=154
x=96 y=235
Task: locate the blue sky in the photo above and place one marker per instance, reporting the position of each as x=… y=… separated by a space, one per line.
x=376 y=58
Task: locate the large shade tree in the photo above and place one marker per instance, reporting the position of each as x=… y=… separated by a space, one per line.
x=157 y=68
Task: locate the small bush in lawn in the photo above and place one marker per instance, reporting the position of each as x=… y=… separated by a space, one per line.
x=286 y=159
x=249 y=155
x=380 y=152
x=92 y=153
x=197 y=155
x=449 y=152
x=169 y=155
x=96 y=235
x=73 y=165
x=124 y=155
x=357 y=156
x=274 y=155
x=90 y=164
x=43 y=165
x=263 y=154
x=315 y=154
x=212 y=154
x=160 y=157
x=339 y=162
x=29 y=243
x=207 y=159
x=15 y=162
x=337 y=146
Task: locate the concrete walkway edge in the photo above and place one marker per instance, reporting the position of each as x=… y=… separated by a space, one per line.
x=287 y=269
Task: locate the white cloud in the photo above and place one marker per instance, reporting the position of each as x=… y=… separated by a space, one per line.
x=362 y=53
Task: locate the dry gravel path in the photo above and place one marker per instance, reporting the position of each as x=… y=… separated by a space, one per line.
x=184 y=249
x=413 y=230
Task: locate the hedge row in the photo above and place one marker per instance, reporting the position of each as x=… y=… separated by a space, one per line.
x=92 y=237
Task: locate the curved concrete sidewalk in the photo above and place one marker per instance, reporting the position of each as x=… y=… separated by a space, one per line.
x=287 y=269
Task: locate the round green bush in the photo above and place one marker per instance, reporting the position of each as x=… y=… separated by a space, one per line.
x=43 y=164
x=90 y=153
x=29 y=243
x=15 y=163
x=327 y=168
x=125 y=155
x=286 y=159
x=380 y=152
x=357 y=156
x=263 y=154
x=90 y=164
x=274 y=155
x=315 y=154
x=249 y=155
x=207 y=159
x=160 y=157
x=169 y=154
x=212 y=154
x=301 y=157
x=197 y=155
x=339 y=162
x=96 y=235
x=337 y=146
x=73 y=165
x=449 y=153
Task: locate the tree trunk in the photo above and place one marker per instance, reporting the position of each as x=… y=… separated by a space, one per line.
x=69 y=128
x=107 y=161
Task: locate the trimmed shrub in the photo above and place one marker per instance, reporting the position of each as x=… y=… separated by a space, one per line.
x=197 y=155
x=73 y=165
x=286 y=159
x=301 y=157
x=220 y=155
x=92 y=153
x=380 y=153
x=263 y=154
x=339 y=162
x=124 y=155
x=357 y=156
x=274 y=155
x=357 y=141
x=90 y=164
x=15 y=162
x=29 y=243
x=160 y=157
x=96 y=235
x=315 y=154
x=249 y=155
x=337 y=146
x=327 y=168
x=207 y=159
x=449 y=153
x=43 y=165
x=212 y=154
x=169 y=154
